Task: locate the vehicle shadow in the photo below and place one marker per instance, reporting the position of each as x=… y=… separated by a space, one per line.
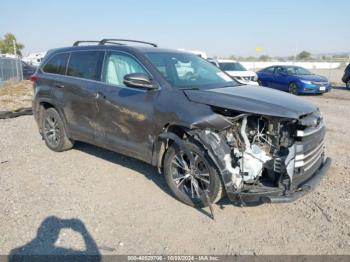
x=43 y=248
x=141 y=167
x=147 y=170
x=340 y=87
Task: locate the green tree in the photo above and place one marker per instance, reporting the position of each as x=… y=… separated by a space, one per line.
x=251 y=58
x=304 y=55
x=264 y=58
x=6 y=44
x=232 y=57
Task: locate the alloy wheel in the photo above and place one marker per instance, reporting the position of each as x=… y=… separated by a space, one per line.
x=190 y=180
x=52 y=131
x=293 y=89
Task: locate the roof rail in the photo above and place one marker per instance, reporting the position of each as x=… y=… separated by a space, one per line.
x=76 y=43
x=115 y=41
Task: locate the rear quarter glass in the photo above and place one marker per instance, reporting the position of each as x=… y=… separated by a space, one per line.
x=56 y=64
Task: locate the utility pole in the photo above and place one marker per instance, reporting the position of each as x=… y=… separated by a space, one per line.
x=330 y=69
x=14 y=47
x=257 y=49
x=295 y=52
x=16 y=60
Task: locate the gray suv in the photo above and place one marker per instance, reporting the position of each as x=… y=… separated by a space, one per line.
x=207 y=134
x=346 y=76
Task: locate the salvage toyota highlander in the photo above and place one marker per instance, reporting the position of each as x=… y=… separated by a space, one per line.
x=207 y=134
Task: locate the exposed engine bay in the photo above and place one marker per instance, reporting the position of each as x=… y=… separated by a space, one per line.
x=258 y=145
x=259 y=152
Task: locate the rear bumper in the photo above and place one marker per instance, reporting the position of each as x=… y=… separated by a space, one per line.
x=278 y=196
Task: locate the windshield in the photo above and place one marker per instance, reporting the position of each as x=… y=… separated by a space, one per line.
x=294 y=70
x=189 y=71
x=231 y=66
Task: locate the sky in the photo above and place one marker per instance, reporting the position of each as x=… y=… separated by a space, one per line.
x=220 y=28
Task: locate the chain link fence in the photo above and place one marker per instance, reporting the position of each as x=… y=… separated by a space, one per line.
x=10 y=70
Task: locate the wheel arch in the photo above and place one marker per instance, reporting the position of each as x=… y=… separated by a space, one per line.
x=180 y=130
x=164 y=140
x=294 y=81
x=43 y=105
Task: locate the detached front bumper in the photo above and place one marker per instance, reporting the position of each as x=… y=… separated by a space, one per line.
x=278 y=196
x=304 y=188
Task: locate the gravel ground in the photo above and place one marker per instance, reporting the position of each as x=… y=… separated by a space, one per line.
x=14 y=96
x=122 y=206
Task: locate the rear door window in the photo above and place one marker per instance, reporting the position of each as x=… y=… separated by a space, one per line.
x=269 y=70
x=86 y=64
x=57 y=64
x=279 y=70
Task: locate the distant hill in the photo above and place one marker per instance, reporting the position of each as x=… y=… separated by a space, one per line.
x=332 y=54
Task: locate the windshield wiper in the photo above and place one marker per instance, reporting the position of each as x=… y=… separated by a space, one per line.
x=232 y=85
x=189 y=88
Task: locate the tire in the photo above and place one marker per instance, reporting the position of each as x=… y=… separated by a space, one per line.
x=173 y=173
x=293 y=89
x=54 y=133
x=348 y=84
x=261 y=83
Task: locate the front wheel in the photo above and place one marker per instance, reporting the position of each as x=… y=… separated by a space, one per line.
x=293 y=89
x=188 y=184
x=348 y=84
x=261 y=83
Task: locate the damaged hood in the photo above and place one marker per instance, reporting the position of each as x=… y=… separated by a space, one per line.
x=253 y=99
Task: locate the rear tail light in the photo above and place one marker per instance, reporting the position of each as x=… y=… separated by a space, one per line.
x=33 y=78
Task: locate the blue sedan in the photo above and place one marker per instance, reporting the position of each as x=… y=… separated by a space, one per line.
x=293 y=79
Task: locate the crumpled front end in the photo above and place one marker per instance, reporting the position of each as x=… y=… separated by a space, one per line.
x=267 y=159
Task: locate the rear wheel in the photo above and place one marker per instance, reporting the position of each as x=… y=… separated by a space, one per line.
x=54 y=132
x=188 y=184
x=293 y=89
x=261 y=83
x=348 y=84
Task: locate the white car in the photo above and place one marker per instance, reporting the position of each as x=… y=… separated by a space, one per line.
x=236 y=71
x=34 y=58
x=199 y=53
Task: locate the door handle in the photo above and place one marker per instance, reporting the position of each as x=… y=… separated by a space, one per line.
x=59 y=85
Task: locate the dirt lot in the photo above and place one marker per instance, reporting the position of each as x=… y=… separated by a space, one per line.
x=127 y=209
x=14 y=96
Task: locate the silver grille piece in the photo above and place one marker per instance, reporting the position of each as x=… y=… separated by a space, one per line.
x=309 y=159
x=312 y=128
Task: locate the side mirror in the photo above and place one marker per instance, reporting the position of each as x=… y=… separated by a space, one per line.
x=139 y=80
